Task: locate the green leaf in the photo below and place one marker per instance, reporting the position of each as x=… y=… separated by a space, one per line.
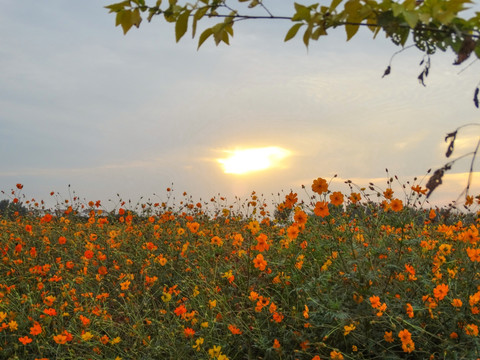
x=477 y=49
x=181 y=25
x=351 y=30
x=200 y=13
x=411 y=18
x=307 y=35
x=334 y=5
x=118 y=6
x=303 y=13
x=136 y=18
x=397 y=9
x=125 y=19
x=204 y=36
x=319 y=31
x=293 y=31
x=218 y=31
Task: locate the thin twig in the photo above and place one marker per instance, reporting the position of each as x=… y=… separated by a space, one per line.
x=466 y=67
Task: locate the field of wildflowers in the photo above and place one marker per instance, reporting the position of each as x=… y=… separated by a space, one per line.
x=340 y=276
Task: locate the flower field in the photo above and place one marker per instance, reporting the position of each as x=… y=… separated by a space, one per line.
x=360 y=275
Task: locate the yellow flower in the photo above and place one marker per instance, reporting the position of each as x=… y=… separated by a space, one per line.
x=86 y=336
x=212 y=303
x=204 y=324
x=166 y=297
x=12 y=325
x=115 y=340
x=215 y=351
x=3 y=315
x=198 y=344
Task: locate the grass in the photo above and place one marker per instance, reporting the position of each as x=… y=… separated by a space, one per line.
x=337 y=277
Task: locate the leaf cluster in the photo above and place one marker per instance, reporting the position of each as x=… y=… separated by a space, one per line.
x=432 y=24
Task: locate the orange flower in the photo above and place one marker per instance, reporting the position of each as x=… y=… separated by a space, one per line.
x=290 y=200
x=396 y=205
x=102 y=270
x=408 y=346
x=277 y=317
x=409 y=310
x=36 y=329
x=321 y=209
x=88 y=254
x=335 y=355
x=189 y=332
x=354 y=198
x=125 y=285
x=234 y=330
x=388 y=336
x=253 y=296
x=375 y=301
x=468 y=200
x=440 y=291
x=193 y=227
x=388 y=193
x=216 y=241
x=62 y=240
x=300 y=217
x=259 y=262
x=457 y=303
x=320 y=186
x=50 y=312
x=104 y=339
x=25 y=340
x=85 y=321
x=60 y=339
x=237 y=240
x=336 y=198
x=306 y=312
x=418 y=189
x=276 y=344
x=293 y=231
x=181 y=309
x=405 y=336
x=262 y=243
x=471 y=329
x=473 y=254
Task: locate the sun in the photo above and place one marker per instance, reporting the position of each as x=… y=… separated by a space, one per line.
x=253 y=159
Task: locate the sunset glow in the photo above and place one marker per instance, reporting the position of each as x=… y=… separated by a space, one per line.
x=254 y=159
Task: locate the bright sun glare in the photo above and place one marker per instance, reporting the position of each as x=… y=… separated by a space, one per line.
x=253 y=159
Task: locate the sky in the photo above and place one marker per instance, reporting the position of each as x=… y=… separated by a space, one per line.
x=83 y=105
